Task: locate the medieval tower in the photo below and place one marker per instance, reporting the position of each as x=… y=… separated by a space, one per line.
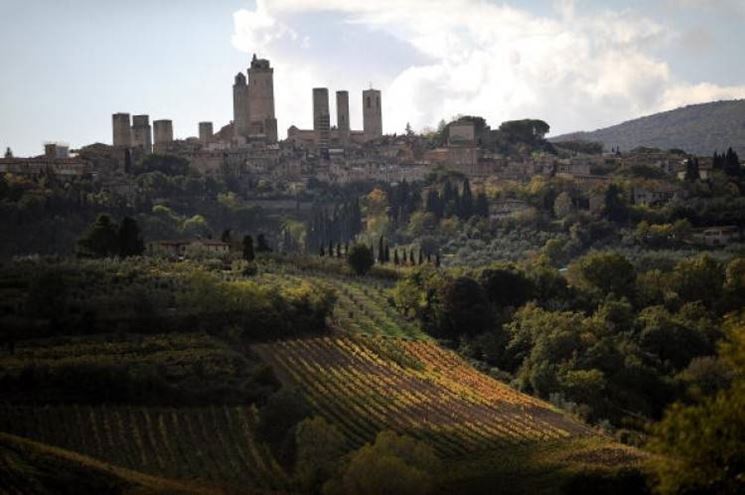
x=372 y=115
x=342 y=115
x=321 y=116
x=162 y=134
x=142 y=133
x=253 y=102
x=122 y=130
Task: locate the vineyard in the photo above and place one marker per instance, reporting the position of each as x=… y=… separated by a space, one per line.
x=209 y=444
x=361 y=307
x=365 y=384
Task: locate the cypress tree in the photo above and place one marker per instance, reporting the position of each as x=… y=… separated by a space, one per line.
x=248 y=248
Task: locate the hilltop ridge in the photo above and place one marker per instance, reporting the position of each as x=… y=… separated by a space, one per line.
x=700 y=129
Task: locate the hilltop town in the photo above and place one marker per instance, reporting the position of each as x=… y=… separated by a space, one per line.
x=292 y=177
x=348 y=311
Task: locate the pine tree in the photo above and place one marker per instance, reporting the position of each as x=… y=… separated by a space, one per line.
x=482 y=205
x=692 y=170
x=381 y=251
x=387 y=253
x=411 y=257
x=395 y=257
x=421 y=257
x=101 y=239
x=466 y=201
x=262 y=245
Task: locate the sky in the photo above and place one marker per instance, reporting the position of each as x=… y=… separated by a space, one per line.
x=67 y=65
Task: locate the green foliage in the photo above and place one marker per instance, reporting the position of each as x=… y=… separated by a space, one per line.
x=101 y=240
x=702 y=447
x=393 y=464
x=165 y=164
x=525 y=131
x=320 y=446
x=466 y=309
x=278 y=423
x=360 y=258
x=603 y=274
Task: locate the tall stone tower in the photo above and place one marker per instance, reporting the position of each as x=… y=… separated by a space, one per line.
x=261 y=99
x=321 y=117
x=342 y=115
x=142 y=133
x=240 y=106
x=162 y=134
x=372 y=114
x=122 y=130
x=205 y=132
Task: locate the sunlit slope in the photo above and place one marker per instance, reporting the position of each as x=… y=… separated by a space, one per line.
x=361 y=306
x=211 y=444
x=366 y=384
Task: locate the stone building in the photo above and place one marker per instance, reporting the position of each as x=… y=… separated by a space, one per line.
x=206 y=132
x=253 y=103
x=321 y=117
x=122 y=130
x=325 y=136
x=163 y=135
x=372 y=114
x=142 y=136
x=342 y=116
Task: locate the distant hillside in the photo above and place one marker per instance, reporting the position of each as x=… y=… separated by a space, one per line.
x=700 y=129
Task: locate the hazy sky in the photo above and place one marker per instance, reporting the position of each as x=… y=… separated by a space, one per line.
x=67 y=65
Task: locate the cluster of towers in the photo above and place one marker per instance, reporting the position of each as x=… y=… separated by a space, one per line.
x=254 y=118
x=372 y=117
x=139 y=134
x=253 y=103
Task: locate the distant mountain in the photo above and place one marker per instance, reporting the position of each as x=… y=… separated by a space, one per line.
x=700 y=129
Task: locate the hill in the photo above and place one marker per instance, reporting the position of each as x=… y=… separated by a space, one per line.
x=699 y=129
x=32 y=468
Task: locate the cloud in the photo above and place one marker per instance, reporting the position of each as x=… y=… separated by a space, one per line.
x=574 y=69
x=722 y=7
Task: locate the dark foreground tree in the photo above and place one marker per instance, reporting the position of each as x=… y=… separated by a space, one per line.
x=130 y=239
x=100 y=240
x=361 y=259
x=248 y=248
x=262 y=245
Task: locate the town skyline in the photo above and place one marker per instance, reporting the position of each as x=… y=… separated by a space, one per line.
x=428 y=73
